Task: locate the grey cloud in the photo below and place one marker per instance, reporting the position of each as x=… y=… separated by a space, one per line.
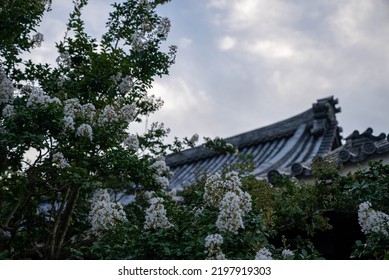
x=257 y=62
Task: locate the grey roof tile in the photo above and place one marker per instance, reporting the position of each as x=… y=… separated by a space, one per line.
x=295 y=140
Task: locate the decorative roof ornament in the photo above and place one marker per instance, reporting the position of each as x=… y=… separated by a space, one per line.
x=360 y=146
x=324 y=111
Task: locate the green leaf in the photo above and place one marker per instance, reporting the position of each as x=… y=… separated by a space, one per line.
x=304 y=252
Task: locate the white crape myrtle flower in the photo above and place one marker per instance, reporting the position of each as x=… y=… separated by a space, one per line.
x=212 y=245
x=216 y=187
x=128 y=112
x=145 y=27
x=156 y=215
x=372 y=221
x=108 y=116
x=232 y=180
x=286 y=254
x=162 y=171
x=105 y=213
x=263 y=254
x=162 y=181
x=160 y=166
x=64 y=59
x=61 y=81
x=6 y=88
x=149 y=194
x=126 y=84
x=85 y=130
x=59 y=159
x=213 y=240
x=173 y=194
x=132 y=142
x=37 y=39
x=231 y=215
x=245 y=202
x=163 y=28
x=8 y=111
x=220 y=256
x=88 y=112
x=172 y=52
x=38 y=98
x=138 y=41
x=156 y=102
x=68 y=123
x=194 y=139
x=214 y=190
x=233 y=202
x=72 y=107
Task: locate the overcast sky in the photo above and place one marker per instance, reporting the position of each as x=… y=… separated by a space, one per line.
x=244 y=64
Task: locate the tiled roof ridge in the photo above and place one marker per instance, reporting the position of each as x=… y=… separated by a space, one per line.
x=358 y=148
x=319 y=119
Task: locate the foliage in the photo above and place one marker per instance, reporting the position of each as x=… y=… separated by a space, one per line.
x=285 y=222
x=18 y=18
x=64 y=129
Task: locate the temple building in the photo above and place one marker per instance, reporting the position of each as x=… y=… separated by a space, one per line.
x=287 y=147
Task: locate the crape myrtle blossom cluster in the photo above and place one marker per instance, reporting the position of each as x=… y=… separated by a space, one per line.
x=6 y=88
x=146 y=33
x=156 y=217
x=131 y=142
x=110 y=114
x=64 y=59
x=126 y=84
x=233 y=203
x=88 y=116
x=231 y=214
x=38 y=98
x=8 y=111
x=263 y=254
x=162 y=172
x=193 y=140
x=287 y=254
x=213 y=244
x=105 y=213
x=60 y=160
x=372 y=221
x=37 y=39
x=85 y=130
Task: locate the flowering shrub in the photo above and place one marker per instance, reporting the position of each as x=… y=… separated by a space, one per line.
x=105 y=213
x=263 y=254
x=156 y=215
x=372 y=221
x=77 y=183
x=65 y=129
x=212 y=245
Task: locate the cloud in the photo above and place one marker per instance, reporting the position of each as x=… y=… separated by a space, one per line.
x=270 y=49
x=184 y=42
x=308 y=51
x=353 y=22
x=183 y=105
x=244 y=64
x=261 y=14
x=226 y=43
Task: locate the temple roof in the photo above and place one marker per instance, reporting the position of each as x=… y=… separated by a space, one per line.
x=296 y=140
x=360 y=147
